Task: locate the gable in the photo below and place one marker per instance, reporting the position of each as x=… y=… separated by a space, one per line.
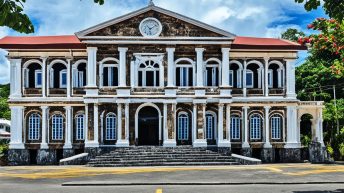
x=173 y=25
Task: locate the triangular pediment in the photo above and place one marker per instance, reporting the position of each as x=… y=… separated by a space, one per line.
x=173 y=25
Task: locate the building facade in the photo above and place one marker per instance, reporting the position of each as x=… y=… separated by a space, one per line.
x=154 y=77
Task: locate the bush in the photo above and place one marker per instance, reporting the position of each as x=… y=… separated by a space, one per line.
x=305 y=140
x=3 y=153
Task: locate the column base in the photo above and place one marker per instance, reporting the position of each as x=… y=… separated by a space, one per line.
x=17 y=146
x=18 y=157
x=67 y=146
x=292 y=145
x=267 y=145
x=46 y=157
x=169 y=143
x=246 y=152
x=91 y=91
x=172 y=91
x=200 y=143
x=224 y=143
x=199 y=91
x=317 y=153
x=267 y=155
x=124 y=91
x=44 y=146
x=226 y=92
x=245 y=145
x=290 y=155
x=91 y=144
x=122 y=143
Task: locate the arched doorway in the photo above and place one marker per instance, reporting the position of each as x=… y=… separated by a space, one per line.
x=306 y=133
x=148 y=126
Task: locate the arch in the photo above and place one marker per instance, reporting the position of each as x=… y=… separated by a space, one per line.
x=109 y=59
x=112 y=77
x=212 y=74
x=137 y=116
x=55 y=77
x=81 y=61
x=307 y=128
x=261 y=66
x=149 y=73
x=276 y=76
x=27 y=63
x=279 y=63
x=237 y=63
x=219 y=62
x=184 y=59
x=52 y=63
x=235 y=74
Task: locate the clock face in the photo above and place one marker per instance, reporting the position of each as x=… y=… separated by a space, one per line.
x=150 y=27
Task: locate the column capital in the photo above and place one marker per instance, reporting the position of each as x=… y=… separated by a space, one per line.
x=266 y=59
x=225 y=50
x=44 y=107
x=44 y=58
x=267 y=107
x=199 y=49
x=245 y=107
x=170 y=49
x=67 y=107
x=122 y=49
x=221 y=105
x=92 y=49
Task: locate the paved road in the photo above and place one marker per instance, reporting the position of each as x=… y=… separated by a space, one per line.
x=300 y=178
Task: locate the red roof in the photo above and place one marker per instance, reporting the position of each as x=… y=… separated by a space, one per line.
x=72 y=42
x=241 y=42
x=41 y=42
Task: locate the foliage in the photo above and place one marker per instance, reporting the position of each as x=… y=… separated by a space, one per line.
x=330 y=149
x=292 y=34
x=3 y=150
x=333 y=8
x=4 y=109
x=328 y=45
x=12 y=16
x=305 y=140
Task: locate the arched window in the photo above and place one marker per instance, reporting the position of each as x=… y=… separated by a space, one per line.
x=276 y=126
x=110 y=127
x=34 y=126
x=80 y=127
x=235 y=126
x=255 y=126
x=183 y=126
x=58 y=74
x=235 y=74
x=276 y=74
x=184 y=73
x=210 y=125
x=32 y=74
x=212 y=73
x=57 y=127
x=79 y=74
x=254 y=74
x=149 y=74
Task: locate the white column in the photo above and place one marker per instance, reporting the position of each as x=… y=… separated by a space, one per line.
x=290 y=67
x=91 y=88
x=292 y=141
x=194 y=123
x=319 y=127
x=69 y=128
x=16 y=77
x=17 y=113
x=225 y=67
x=228 y=123
x=44 y=144
x=245 y=129
x=96 y=125
x=266 y=74
x=44 y=76
x=126 y=123
x=244 y=79
x=220 y=141
x=122 y=66
x=171 y=67
x=165 y=124
x=267 y=143
x=86 y=124
x=119 y=122
x=69 y=82
x=200 y=67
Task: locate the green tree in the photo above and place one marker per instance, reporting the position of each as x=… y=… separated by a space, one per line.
x=292 y=34
x=12 y=15
x=4 y=94
x=333 y=8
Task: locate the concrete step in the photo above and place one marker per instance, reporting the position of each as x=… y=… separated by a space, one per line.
x=161 y=160
x=164 y=164
x=161 y=157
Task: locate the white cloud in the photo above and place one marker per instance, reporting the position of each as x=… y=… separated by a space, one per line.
x=245 y=18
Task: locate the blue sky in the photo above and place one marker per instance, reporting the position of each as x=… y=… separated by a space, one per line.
x=260 y=18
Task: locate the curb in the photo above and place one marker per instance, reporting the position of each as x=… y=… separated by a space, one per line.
x=191 y=183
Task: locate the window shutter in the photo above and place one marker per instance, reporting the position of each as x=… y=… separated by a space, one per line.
x=51 y=78
x=75 y=77
x=26 y=78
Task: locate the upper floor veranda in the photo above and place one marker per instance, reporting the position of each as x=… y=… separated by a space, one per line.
x=147 y=71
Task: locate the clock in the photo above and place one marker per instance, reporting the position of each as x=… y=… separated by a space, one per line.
x=150 y=27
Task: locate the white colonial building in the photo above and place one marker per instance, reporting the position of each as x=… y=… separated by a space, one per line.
x=154 y=77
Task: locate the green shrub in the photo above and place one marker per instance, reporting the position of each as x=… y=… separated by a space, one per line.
x=341 y=150
x=3 y=151
x=330 y=149
x=305 y=140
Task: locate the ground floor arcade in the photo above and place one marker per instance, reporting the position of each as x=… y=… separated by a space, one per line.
x=245 y=128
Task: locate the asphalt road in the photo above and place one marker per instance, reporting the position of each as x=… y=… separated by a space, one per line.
x=296 y=178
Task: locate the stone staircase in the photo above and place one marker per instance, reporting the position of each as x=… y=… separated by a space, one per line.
x=160 y=156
